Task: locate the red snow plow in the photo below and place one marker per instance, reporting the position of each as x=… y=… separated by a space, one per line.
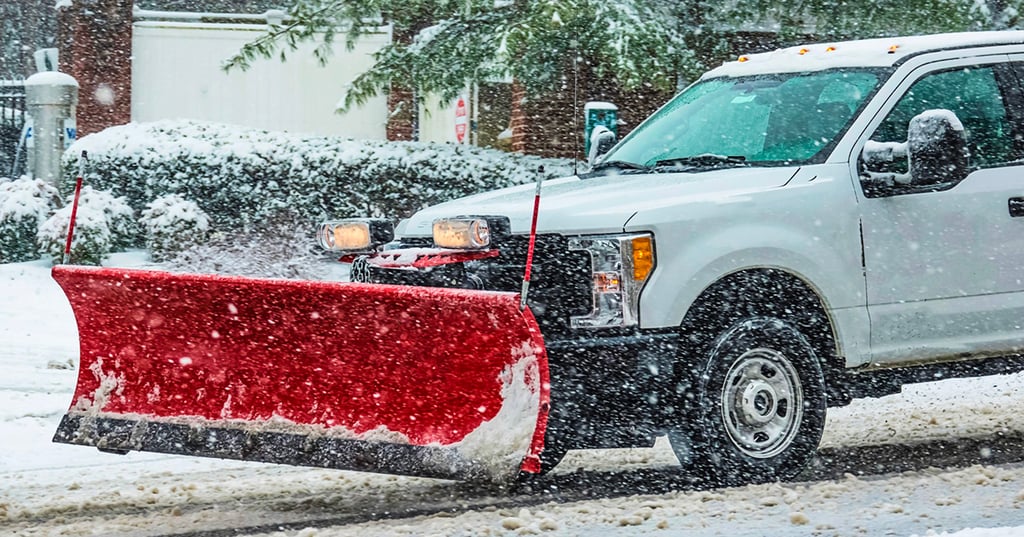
x=423 y=381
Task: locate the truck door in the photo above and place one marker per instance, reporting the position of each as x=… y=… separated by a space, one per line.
x=944 y=260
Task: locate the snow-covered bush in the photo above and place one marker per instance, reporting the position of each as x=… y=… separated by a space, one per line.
x=241 y=177
x=124 y=231
x=172 y=224
x=92 y=240
x=24 y=205
x=103 y=223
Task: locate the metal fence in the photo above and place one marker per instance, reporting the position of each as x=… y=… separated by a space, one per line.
x=12 y=119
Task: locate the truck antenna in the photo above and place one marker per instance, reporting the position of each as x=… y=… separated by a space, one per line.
x=575 y=104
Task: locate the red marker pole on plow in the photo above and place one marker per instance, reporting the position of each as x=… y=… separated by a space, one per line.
x=74 y=208
x=533 y=240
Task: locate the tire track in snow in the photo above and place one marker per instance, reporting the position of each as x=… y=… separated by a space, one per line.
x=403 y=498
x=830 y=464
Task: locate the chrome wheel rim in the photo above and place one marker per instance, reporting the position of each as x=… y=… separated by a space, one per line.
x=762 y=403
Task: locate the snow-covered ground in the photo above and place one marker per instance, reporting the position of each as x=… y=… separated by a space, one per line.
x=53 y=489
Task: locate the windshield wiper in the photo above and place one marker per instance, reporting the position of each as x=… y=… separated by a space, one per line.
x=620 y=165
x=707 y=160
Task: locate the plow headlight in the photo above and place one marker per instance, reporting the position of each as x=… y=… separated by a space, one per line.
x=354 y=235
x=462 y=233
x=620 y=265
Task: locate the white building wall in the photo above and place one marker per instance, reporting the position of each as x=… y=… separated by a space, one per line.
x=437 y=120
x=176 y=74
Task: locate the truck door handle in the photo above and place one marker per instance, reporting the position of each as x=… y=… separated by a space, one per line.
x=1016 y=207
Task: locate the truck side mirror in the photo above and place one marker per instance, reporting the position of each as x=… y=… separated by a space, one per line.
x=601 y=141
x=937 y=147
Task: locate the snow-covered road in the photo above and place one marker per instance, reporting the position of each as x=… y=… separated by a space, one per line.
x=872 y=478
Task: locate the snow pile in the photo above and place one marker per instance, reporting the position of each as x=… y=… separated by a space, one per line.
x=171 y=224
x=24 y=205
x=242 y=177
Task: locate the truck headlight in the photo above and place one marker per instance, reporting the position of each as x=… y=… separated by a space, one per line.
x=620 y=265
x=355 y=234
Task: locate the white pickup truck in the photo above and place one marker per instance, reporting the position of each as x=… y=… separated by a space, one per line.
x=794 y=230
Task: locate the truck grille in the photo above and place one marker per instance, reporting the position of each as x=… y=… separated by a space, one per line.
x=560 y=284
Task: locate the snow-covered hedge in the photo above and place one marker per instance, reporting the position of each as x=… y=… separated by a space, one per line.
x=24 y=205
x=103 y=224
x=241 y=177
x=172 y=224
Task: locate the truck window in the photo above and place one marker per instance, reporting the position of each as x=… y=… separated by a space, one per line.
x=782 y=119
x=975 y=96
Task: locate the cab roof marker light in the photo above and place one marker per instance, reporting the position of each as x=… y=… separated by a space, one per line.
x=742 y=59
x=892 y=49
x=830 y=49
x=803 y=51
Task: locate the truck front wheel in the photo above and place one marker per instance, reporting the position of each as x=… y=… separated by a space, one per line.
x=760 y=405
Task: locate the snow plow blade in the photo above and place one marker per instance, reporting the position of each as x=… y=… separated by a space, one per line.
x=445 y=383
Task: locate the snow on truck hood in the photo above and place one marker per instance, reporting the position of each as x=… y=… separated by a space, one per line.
x=571 y=205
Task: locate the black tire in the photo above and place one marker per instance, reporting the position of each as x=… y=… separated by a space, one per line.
x=555 y=447
x=556 y=436
x=550 y=456
x=759 y=406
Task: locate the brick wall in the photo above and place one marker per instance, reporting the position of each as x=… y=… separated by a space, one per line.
x=402 y=111
x=552 y=126
x=95 y=39
x=544 y=125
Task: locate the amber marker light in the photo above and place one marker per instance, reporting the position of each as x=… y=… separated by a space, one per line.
x=643 y=258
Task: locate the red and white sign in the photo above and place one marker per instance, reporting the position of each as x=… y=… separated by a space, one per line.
x=461 y=121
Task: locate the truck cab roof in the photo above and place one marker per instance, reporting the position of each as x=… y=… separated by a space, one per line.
x=878 y=52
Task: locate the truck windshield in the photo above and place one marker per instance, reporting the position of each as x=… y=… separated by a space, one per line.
x=789 y=118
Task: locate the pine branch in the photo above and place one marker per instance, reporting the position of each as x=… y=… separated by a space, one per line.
x=295 y=32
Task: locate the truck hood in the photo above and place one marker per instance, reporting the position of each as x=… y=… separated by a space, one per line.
x=571 y=205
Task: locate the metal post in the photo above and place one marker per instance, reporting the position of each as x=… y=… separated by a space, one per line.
x=51 y=99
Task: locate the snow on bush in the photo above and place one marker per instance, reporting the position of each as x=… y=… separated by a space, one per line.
x=102 y=223
x=24 y=205
x=171 y=225
x=92 y=240
x=241 y=177
x=120 y=217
